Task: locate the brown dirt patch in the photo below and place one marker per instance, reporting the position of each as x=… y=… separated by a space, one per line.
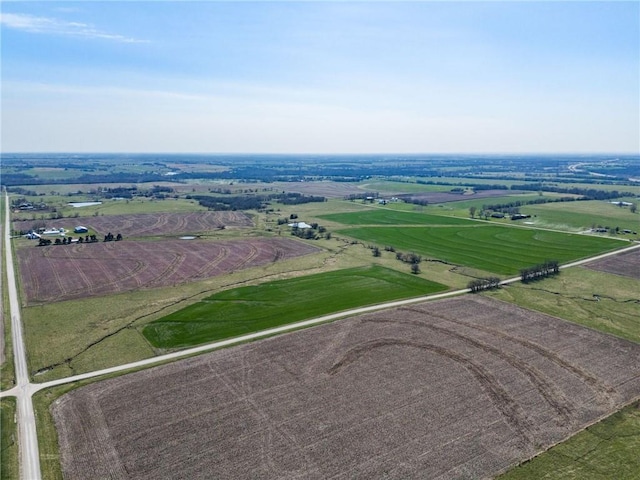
x=64 y=272
x=626 y=264
x=460 y=388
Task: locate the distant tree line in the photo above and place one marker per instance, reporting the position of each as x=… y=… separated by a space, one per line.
x=252 y=202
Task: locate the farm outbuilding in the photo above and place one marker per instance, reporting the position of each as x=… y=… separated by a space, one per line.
x=81 y=229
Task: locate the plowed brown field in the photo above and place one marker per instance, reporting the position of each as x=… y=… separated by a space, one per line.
x=64 y=272
x=626 y=264
x=459 y=388
x=147 y=224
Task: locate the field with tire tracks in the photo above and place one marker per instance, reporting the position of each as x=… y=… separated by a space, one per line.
x=458 y=388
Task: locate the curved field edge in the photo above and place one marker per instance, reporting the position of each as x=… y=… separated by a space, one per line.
x=9 y=440
x=498 y=249
x=453 y=325
x=245 y=310
x=607 y=449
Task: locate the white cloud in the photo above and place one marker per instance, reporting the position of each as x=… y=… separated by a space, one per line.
x=54 y=26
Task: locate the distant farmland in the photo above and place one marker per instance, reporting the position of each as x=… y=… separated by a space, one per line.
x=63 y=272
x=461 y=388
x=148 y=224
x=492 y=248
x=394 y=217
x=248 y=309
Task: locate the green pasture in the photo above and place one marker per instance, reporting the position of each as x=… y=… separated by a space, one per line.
x=605 y=451
x=249 y=309
x=583 y=215
x=385 y=216
x=491 y=248
x=8 y=439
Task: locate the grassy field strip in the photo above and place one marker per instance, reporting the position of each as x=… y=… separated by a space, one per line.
x=490 y=248
x=245 y=338
x=9 y=439
x=247 y=309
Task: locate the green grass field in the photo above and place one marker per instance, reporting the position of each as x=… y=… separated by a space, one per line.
x=8 y=439
x=605 y=451
x=583 y=215
x=491 y=248
x=384 y=216
x=249 y=309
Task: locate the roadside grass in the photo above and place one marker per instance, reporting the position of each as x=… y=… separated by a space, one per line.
x=48 y=447
x=249 y=309
x=9 y=439
x=583 y=215
x=7 y=371
x=606 y=450
x=598 y=300
x=491 y=248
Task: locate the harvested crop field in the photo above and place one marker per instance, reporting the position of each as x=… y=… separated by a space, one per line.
x=459 y=388
x=148 y=224
x=64 y=272
x=626 y=264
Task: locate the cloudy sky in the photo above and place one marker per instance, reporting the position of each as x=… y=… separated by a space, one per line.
x=325 y=77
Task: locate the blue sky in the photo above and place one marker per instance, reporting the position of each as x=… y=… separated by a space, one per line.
x=325 y=77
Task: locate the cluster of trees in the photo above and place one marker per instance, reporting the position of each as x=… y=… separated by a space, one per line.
x=314 y=233
x=585 y=193
x=542 y=270
x=361 y=196
x=110 y=238
x=411 y=258
x=43 y=242
x=253 y=202
x=480 y=284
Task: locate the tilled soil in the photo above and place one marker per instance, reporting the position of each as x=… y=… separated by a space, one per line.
x=626 y=264
x=63 y=272
x=458 y=388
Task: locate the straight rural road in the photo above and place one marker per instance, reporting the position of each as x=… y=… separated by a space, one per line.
x=27 y=438
x=29 y=454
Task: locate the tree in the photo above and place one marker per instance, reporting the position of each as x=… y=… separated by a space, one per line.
x=633 y=208
x=415 y=268
x=472 y=212
x=376 y=251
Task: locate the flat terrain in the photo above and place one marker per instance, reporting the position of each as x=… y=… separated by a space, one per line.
x=62 y=272
x=462 y=388
x=492 y=248
x=147 y=224
x=239 y=311
x=627 y=264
